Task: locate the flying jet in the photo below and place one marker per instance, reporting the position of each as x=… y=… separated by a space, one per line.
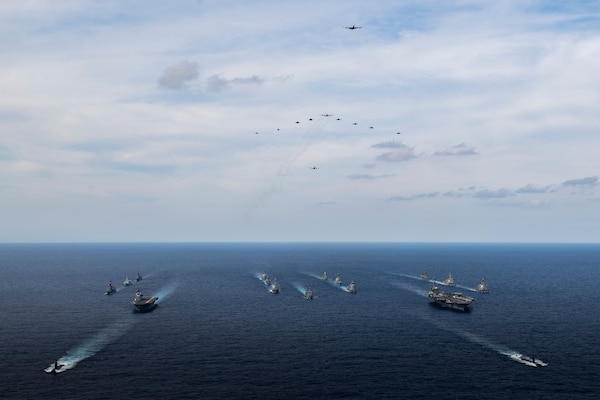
x=398 y=133
x=353 y=27
x=313 y=167
x=354 y=123
x=326 y=115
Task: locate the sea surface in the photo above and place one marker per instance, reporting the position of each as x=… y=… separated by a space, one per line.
x=218 y=333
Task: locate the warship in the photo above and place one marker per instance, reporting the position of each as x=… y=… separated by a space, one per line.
x=425 y=276
x=143 y=304
x=449 y=281
x=138 y=277
x=453 y=301
x=530 y=361
x=308 y=295
x=338 y=280
x=127 y=281
x=324 y=277
x=351 y=288
x=482 y=287
x=110 y=289
x=274 y=287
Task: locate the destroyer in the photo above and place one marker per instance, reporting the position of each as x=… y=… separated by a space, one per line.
x=308 y=295
x=351 y=288
x=338 y=280
x=482 y=287
x=138 y=277
x=110 y=289
x=127 y=281
x=453 y=301
x=274 y=287
x=324 y=277
x=143 y=304
x=449 y=281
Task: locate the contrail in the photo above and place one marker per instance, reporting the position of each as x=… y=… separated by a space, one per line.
x=284 y=169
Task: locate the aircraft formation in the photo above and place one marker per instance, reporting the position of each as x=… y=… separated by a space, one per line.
x=326 y=115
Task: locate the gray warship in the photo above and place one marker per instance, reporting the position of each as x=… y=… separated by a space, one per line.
x=143 y=304
x=482 y=287
x=450 y=300
x=351 y=288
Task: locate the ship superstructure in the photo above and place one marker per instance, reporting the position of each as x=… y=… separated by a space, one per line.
x=141 y=304
x=451 y=300
x=482 y=287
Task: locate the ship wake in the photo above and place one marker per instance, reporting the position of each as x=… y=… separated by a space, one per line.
x=165 y=292
x=418 y=278
x=410 y=288
x=92 y=346
x=299 y=288
x=498 y=348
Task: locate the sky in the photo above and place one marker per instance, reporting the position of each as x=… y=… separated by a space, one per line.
x=204 y=121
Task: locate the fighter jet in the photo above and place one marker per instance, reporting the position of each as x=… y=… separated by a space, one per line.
x=353 y=27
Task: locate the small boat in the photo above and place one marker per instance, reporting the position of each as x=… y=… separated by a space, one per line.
x=308 y=295
x=338 y=280
x=138 y=277
x=324 y=277
x=127 y=281
x=110 y=289
x=449 y=281
x=141 y=304
x=351 y=288
x=274 y=287
x=482 y=287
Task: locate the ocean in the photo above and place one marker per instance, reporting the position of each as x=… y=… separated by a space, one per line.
x=218 y=333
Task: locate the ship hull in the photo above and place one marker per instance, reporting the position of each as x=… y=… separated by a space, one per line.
x=146 y=306
x=451 y=306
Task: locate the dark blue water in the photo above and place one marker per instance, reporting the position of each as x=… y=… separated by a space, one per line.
x=219 y=334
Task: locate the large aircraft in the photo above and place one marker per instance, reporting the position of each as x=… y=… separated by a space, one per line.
x=326 y=115
x=353 y=27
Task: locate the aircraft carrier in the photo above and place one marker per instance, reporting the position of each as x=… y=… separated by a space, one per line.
x=450 y=300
